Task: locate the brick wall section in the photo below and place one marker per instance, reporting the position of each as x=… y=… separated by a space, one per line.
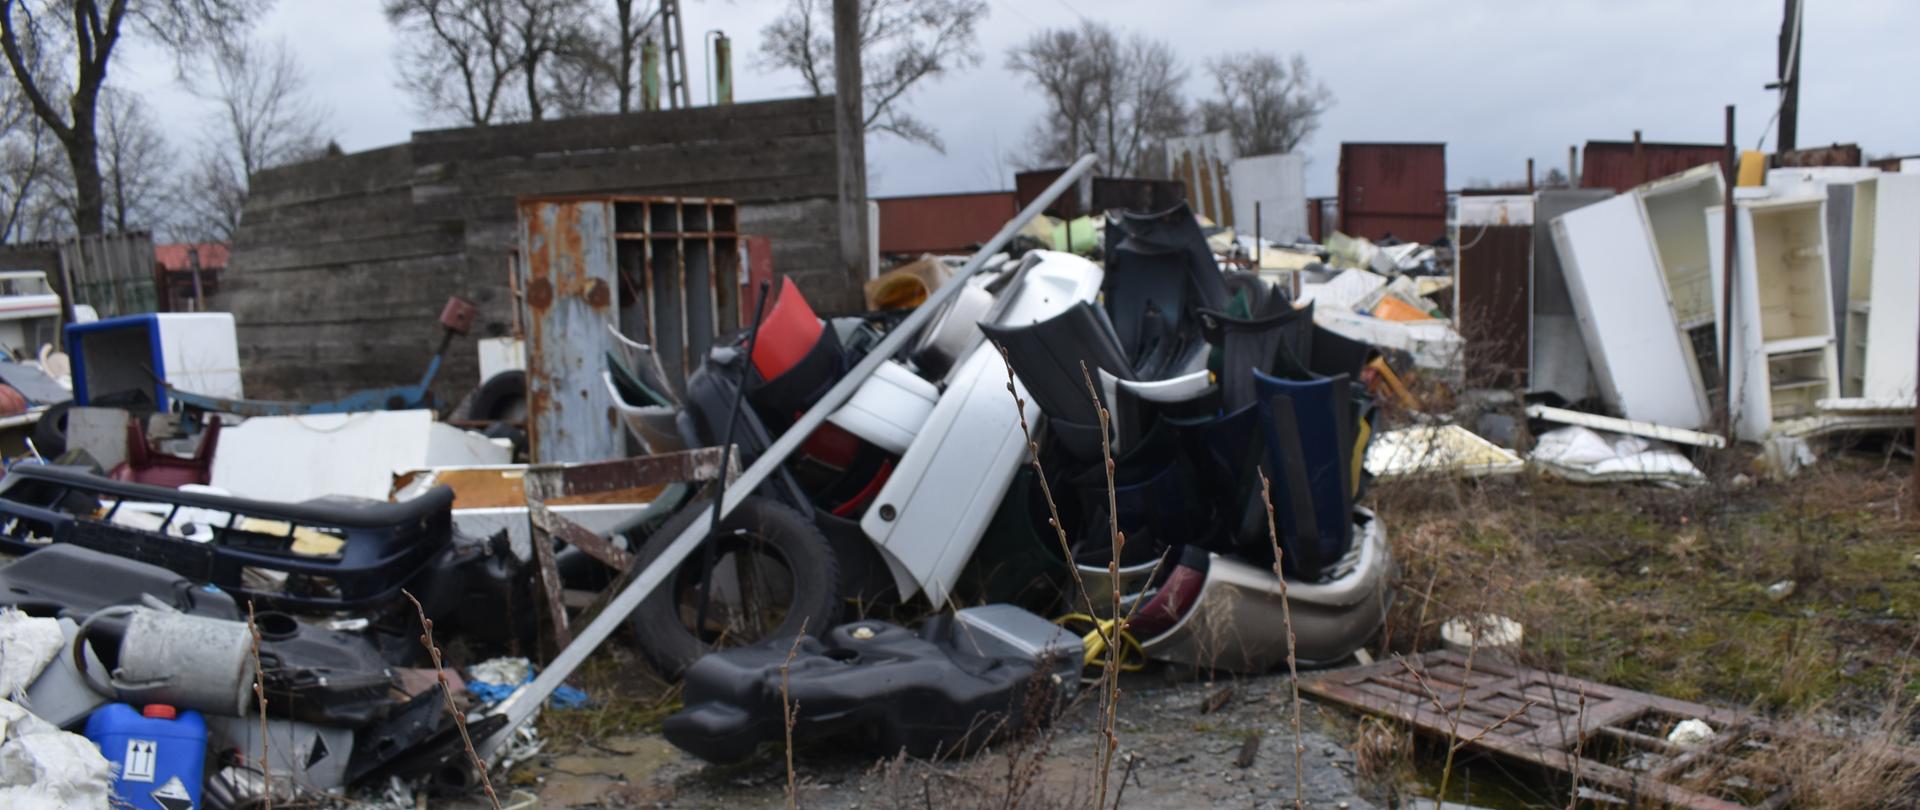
x=342 y=264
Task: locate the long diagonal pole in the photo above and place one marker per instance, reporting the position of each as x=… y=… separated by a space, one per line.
x=522 y=705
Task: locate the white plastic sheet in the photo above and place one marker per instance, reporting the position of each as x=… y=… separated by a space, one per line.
x=44 y=768
x=1589 y=456
x=27 y=644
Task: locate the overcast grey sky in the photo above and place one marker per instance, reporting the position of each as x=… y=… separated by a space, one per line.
x=1497 y=80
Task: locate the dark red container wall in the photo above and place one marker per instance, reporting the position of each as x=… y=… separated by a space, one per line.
x=1397 y=189
x=1611 y=164
x=1495 y=278
x=943 y=223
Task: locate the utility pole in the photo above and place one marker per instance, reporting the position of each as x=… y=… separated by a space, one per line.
x=849 y=119
x=1730 y=167
x=1789 y=83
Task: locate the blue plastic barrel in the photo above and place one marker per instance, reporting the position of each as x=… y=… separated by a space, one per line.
x=159 y=753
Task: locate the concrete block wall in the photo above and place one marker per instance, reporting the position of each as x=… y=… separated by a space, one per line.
x=341 y=265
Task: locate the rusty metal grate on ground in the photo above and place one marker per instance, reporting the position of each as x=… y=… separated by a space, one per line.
x=1601 y=735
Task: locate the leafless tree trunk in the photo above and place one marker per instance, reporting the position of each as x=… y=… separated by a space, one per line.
x=36 y=35
x=1269 y=106
x=135 y=158
x=1118 y=99
x=902 y=43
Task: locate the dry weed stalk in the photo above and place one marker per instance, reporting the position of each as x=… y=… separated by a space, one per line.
x=1293 y=665
x=1110 y=674
x=1454 y=743
x=446 y=694
x=789 y=711
x=260 y=694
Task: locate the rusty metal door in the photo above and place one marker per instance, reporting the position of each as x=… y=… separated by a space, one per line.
x=568 y=255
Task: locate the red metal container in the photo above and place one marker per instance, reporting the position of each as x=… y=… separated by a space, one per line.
x=1393 y=189
x=942 y=223
x=1621 y=165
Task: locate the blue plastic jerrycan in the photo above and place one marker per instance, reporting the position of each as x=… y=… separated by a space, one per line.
x=158 y=752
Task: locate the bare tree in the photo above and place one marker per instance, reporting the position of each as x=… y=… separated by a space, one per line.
x=902 y=42
x=135 y=161
x=264 y=120
x=1269 y=106
x=24 y=164
x=543 y=32
x=1117 y=99
x=457 y=56
x=36 y=35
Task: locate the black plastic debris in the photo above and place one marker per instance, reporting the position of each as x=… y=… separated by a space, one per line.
x=958 y=683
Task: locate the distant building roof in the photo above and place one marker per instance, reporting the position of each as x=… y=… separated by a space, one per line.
x=213 y=255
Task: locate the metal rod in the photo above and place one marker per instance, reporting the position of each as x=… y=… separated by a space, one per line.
x=1732 y=172
x=726 y=458
x=522 y=705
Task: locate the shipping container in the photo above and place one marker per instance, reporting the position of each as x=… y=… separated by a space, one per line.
x=1621 y=165
x=942 y=223
x=1393 y=189
x=1494 y=294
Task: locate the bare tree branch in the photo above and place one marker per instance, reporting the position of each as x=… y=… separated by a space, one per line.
x=38 y=36
x=1118 y=99
x=902 y=43
x=264 y=120
x=1269 y=106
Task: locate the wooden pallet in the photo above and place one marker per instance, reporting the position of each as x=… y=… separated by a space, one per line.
x=1597 y=734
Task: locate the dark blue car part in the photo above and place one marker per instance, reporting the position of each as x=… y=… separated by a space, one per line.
x=384 y=545
x=1309 y=436
x=1160 y=271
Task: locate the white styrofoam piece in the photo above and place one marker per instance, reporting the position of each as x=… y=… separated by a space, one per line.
x=1644 y=368
x=296 y=458
x=1423 y=450
x=950 y=481
x=1279 y=184
x=889 y=408
x=1893 y=323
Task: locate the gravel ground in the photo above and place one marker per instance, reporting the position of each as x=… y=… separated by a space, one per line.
x=1182 y=758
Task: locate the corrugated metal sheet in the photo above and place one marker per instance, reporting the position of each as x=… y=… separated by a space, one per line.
x=1201 y=162
x=1397 y=189
x=942 y=223
x=1495 y=296
x=1621 y=165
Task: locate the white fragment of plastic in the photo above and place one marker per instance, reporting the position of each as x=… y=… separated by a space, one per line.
x=44 y=768
x=1589 y=456
x=501 y=671
x=27 y=645
x=1482 y=633
x=1691 y=733
x=1780 y=590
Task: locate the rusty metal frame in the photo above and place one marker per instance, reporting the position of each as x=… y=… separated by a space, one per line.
x=528 y=699
x=545 y=482
x=1550 y=721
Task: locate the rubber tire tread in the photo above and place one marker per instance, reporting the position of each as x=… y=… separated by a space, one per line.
x=669 y=647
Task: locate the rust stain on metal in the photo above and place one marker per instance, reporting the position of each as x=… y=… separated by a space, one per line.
x=547 y=482
x=598 y=295
x=540 y=294
x=579 y=537
x=1605 y=735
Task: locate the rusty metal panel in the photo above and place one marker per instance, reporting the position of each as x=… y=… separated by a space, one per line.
x=1600 y=734
x=567 y=252
x=1621 y=165
x=942 y=223
x=1495 y=302
x=1201 y=162
x=1028 y=185
x=1393 y=189
x=1839 y=154
x=682 y=275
